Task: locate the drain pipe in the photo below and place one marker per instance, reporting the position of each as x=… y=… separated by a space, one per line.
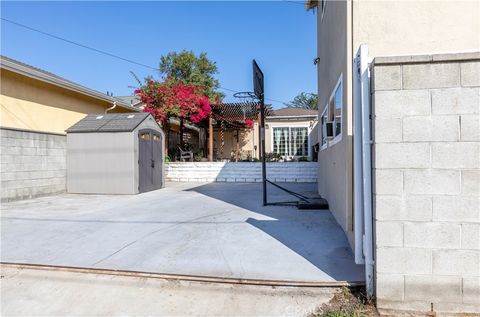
x=357 y=162
x=112 y=107
x=367 y=169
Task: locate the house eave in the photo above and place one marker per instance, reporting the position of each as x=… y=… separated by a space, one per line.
x=299 y=118
x=63 y=83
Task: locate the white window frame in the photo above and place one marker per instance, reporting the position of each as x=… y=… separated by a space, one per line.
x=338 y=137
x=309 y=150
x=322 y=129
x=326 y=110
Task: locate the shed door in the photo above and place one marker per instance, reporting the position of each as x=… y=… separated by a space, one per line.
x=149 y=160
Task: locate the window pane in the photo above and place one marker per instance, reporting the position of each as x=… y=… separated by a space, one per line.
x=280 y=141
x=338 y=109
x=299 y=141
x=331 y=110
x=324 y=120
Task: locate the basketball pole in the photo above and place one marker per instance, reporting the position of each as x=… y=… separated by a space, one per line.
x=264 y=164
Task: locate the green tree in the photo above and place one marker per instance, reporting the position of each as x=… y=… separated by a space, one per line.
x=187 y=68
x=305 y=101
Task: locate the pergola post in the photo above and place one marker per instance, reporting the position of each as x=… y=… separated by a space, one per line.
x=238 y=146
x=210 y=138
x=259 y=137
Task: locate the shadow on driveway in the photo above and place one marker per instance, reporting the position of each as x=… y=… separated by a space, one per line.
x=313 y=234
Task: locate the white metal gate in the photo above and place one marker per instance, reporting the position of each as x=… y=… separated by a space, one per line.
x=362 y=158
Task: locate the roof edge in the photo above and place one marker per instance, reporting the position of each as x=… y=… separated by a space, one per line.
x=29 y=71
x=294 y=117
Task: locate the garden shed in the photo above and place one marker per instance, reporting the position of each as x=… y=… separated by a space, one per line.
x=121 y=153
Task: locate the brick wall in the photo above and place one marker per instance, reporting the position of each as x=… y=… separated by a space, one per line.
x=427 y=182
x=32 y=164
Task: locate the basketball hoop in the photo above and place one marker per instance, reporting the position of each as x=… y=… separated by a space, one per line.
x=245 y=96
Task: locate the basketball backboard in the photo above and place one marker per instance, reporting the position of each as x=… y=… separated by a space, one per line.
x=257 y=80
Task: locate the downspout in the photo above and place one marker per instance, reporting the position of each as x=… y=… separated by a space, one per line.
x=367 y=169
x=112 y=107
x=357 y=163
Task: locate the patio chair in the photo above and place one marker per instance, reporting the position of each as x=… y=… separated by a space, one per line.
x=185 y=155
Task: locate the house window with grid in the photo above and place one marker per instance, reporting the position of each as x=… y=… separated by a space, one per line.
x=290 y=141
x=332 y=114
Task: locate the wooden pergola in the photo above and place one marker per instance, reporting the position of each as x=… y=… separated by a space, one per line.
x=232 y=116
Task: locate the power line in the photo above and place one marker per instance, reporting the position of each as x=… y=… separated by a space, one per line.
x=101 y=51
x=295 y=2
x=77 y=44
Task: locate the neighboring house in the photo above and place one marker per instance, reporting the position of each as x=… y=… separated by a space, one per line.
x=133 y=101
x=292 y=132
x=413 y=97
x=36 y=109
x=289 y=132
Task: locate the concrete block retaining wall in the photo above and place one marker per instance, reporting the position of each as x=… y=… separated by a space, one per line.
x=426 y=183
x=32 y=164
x=299 y=172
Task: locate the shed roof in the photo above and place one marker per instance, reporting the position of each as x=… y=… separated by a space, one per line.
x=111 y=122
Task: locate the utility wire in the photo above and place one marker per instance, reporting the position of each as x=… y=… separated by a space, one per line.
x=102 y=52
x=295 y=2
x=77 y=44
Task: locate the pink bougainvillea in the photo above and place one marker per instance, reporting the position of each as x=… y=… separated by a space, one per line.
x=169 y=99
x=249 y=124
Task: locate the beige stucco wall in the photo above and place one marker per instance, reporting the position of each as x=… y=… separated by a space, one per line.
x=246 y=139
x=31 y=104
x=392 y=28
x=389 y=28
x=335 y=162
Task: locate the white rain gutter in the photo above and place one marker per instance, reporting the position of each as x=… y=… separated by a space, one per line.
x=363 y=166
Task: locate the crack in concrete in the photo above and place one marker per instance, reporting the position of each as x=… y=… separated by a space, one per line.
x=158 y=230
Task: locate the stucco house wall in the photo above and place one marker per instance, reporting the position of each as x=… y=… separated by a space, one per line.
x=389 y=28
x=33 y=105
x=426 y=176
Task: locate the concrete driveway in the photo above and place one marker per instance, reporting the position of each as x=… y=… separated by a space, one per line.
x=217 y=229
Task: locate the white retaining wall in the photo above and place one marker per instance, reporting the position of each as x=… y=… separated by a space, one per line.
x=427 y=183
x=298 y=172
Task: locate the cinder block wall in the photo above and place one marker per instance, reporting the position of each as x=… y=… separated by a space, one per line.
x=427 y=182
x=241 y=172
x=32 y=164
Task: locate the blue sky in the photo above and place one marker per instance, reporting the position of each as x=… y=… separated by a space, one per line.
x=280 y=35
